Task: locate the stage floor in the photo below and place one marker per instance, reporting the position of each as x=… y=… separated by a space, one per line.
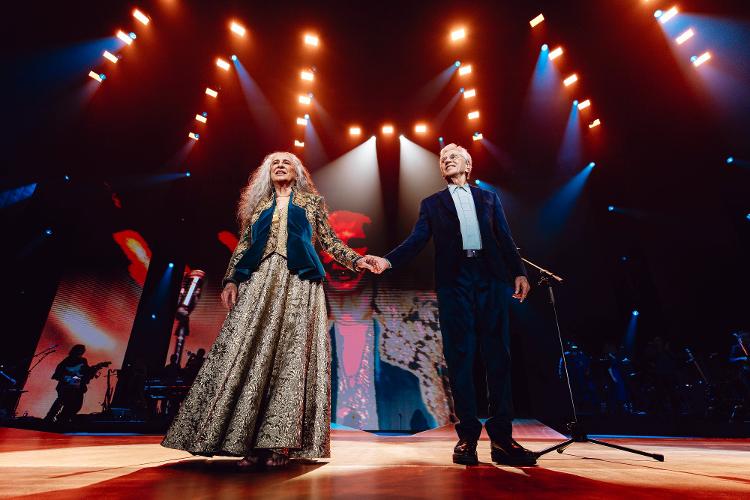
x=47 y=465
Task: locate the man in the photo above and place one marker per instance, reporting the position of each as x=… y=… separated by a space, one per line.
x=73 y=374
x=475 y=262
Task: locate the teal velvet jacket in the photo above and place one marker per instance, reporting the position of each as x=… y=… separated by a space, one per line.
x=307 y=222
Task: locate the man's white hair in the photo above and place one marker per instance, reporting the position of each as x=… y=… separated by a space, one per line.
x=462 y=151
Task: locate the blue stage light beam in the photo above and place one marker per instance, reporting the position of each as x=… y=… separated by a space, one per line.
x=630 y=333
x=437 y=123
x=260 y=107
x=17 y=195
x=570 y=154
x=556 y=212
x=314 y=154
x=431 y=90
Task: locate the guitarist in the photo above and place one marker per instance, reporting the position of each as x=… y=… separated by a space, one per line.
x=73 y=375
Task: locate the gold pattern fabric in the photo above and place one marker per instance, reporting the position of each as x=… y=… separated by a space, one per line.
x=278 y=234
x=266 y=380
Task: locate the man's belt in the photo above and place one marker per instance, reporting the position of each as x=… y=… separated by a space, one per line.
x=472 y=254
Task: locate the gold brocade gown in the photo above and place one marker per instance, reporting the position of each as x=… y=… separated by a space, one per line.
x=266 y=381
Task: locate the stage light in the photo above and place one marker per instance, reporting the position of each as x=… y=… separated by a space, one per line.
x=222 y=64
x=664 y=17
x=355 y=131
x=473 y=115
x=545 y=47
x=592 y=164
x=583 y=105
x=611 y=208
x=143 y=18
x=537 y=20
x=211 y=92
x=635 y=312
x=132 y=35
x=624 y=258
x=555 y=53
x=48 y=232
x=698 y=60
x=153 y=316
x=595 y=123
x=124 y=38
x=194 y=136
x=307 y=75
x=458 y=34
x=387 y=129
x=468 y=94
x=464 y=70
x=570 y=80
x=311 y=40
x=457 y=64
x=747 y=216
x=97 y=76
x=171 y=265
x=187 y=174
x=67 y=177
x=237 y=28
x=234 y=57
x=302 y=121
x=477 y=136
x=304 y=99
x=730 y=160
x=299 y=144
x=420 y=128
x=201 y=118
x=110 y=56
x=685 y=36
x=575 y=102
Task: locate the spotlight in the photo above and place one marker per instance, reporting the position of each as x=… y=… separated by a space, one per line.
x=304 y=99
x=457 y=64
x=311 y=40
x=468 y=94
x=355 y=131
x=124 y=38
x=440 y=139
x=545 y=47
x=575 y=102
x=611 y=208
x=664 y=17
x=153 y=316
x=171 y=265
x=96 y=76
x=570 y=80
x=387 y=129
x=234 y=57
x=555 y=53
x=477 y=136
x=194 y=136
x=237 y=28
x=222 y=64
x=132 y=35
x=698 y=60
x=420 y=128
x=658 y=13
x=299 y=144
x=458 y=34
x=211 y=92
x=307 y=75
x=477 y=182
x=583 y=105
x=595 y=123
x=48 y=232
x=187 y=174
x=592 y=164
x=67 y=177
x=110 y=56
x=730 y=160
x=537 y=20
x=635 y=312
x=143 y=18
x=302 y=121
x=747 y=216
x=473 y=115
x=685 y=36
x=464 y=70
x=201 y=118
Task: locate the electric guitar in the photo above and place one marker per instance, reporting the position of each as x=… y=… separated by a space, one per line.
x=77 y=376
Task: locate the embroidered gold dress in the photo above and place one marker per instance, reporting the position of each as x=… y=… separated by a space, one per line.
x=266 y=382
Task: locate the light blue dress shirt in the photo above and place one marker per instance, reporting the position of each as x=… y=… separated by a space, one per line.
x=467 y=216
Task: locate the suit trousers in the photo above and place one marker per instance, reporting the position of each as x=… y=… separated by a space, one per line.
x=474 y=320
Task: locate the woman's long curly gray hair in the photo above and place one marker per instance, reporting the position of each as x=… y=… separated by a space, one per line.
x=259 y=186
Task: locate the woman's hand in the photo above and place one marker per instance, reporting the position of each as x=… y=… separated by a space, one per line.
x=229 y=295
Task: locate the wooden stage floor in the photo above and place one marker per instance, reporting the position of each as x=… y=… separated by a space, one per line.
x=43 y=465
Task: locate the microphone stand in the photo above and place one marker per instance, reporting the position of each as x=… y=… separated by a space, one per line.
x=577 y=432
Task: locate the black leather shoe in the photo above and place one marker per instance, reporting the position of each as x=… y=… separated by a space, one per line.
x=465 y=453
x=511 y=453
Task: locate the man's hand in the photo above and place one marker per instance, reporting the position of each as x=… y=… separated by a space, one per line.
x=378 y=264
x=229 y=295
x=522 y=288
x=365 y=263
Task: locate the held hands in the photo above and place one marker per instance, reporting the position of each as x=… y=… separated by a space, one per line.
x=522 y=288
x=229 y=295
x=373 y=264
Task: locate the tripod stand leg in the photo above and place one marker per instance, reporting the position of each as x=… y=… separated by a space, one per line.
x=559 y=447
x=655 y=456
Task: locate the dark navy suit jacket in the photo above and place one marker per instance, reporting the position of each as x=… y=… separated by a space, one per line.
x=438 y=219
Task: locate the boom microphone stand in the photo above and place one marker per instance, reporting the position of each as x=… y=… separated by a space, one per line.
x=577 y=432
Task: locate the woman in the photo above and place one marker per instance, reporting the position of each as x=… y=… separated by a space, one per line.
x=264 y=390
